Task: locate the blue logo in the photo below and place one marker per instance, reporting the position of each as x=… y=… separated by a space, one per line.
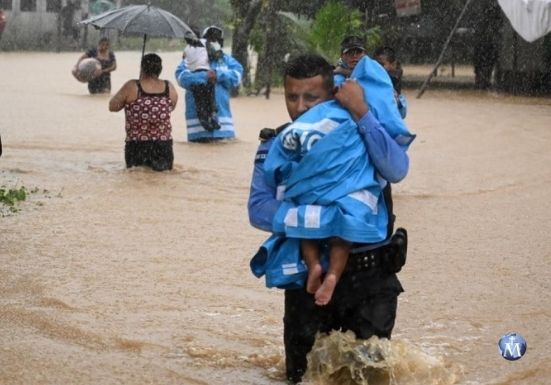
x=512 y=346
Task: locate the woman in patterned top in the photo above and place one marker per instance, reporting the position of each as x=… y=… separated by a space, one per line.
x=147 y=104
x=102 y=83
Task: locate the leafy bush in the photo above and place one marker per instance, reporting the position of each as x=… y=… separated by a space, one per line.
x=11 y=196
x=331 y=24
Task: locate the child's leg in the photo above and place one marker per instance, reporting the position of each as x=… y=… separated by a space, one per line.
x=202 y=104
x=213 y=119
x=338 y=256
x=211 y=98
x=311 y=256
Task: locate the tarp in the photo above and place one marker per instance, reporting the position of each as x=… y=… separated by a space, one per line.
x=530 y=18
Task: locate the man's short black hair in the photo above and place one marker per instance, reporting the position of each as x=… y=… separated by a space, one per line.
x=386 y=51
x=152 y=64
x=308 y=66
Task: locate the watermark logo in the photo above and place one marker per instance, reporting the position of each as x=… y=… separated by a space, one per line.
x=512 y=346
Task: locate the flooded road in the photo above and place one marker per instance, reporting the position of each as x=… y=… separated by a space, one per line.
x=115 y=276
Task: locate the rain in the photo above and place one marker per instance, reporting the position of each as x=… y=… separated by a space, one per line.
x=115 y=275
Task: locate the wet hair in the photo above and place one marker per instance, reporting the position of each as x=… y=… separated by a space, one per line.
x=308 y=66
x=386 y=51
x=390 y=55
x=151 y=64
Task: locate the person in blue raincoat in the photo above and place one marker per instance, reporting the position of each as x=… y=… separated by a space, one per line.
x=365 y=298
x=226 y=73
x=323 y=165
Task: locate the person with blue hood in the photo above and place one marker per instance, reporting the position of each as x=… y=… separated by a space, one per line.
x=361 y=135
x=226 y=73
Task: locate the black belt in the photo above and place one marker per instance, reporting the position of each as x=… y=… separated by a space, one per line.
x=365 y=261
x=389 y=256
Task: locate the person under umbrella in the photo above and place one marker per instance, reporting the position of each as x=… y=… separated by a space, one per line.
x=145 y=20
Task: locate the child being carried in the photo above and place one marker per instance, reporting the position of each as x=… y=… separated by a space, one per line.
x=196 y=55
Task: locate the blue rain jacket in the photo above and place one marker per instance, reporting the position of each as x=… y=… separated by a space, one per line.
x=228 y=76
x=330 y=184
x=401 y=103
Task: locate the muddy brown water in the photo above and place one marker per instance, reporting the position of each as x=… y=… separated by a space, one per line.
x=115 y=276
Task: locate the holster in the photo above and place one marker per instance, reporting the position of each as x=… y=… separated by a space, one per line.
x=390 y=258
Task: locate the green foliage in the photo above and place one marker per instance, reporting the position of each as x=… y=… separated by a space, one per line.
x=374 y=37
x=11 y=196
x=322 y=34
x=297 y=30
x=331 y=24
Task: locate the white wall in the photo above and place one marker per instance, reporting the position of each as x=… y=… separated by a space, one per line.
x=32 y=30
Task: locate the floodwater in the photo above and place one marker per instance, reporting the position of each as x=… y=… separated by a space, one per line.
x=115 y=276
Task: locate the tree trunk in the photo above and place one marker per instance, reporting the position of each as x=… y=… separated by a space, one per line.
x=268 y=59
x=245 y=19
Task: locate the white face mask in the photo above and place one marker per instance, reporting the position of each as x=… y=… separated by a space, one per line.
x=216 y=46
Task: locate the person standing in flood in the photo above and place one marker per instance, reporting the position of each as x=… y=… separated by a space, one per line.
x=101 y=84
x=148 y=103
x=365 y=298
x=225 y=73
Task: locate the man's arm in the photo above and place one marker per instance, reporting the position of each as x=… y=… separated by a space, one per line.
x=262 y=204
x=388 y=157
x=185 y=78
x=229 y=76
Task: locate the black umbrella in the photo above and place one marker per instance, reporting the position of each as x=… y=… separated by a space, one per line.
x=142 y=19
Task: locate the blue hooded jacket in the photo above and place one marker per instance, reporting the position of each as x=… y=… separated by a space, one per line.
x=327 y=182
x=228 y=76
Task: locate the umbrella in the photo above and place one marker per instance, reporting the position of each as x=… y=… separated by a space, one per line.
x=100 y=6
x=142 y=19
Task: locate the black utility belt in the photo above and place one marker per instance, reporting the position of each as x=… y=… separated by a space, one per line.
x=366 y=260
